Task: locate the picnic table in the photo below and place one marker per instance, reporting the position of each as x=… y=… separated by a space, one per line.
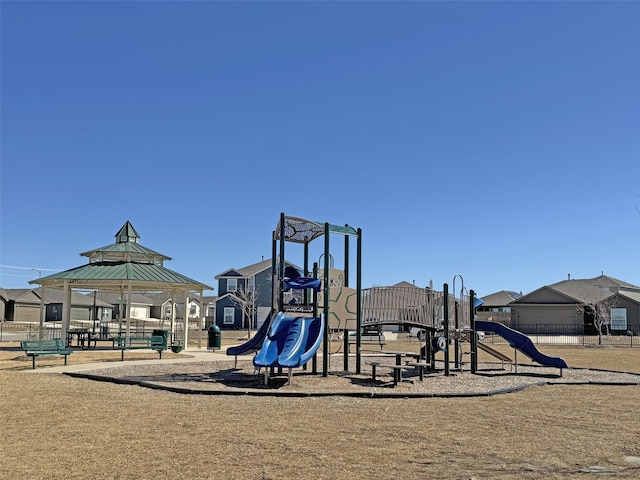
x=400 y=353
x=81 y=335
x=398 y=367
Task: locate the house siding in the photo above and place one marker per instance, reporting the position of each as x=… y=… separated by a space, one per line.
x=633 y=313
x=220 y=306
x=559 y=319
x=263 y=285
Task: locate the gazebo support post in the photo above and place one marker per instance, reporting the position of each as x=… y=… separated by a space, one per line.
x=185 y=318
x=201 y=319
x=66 y=311
x=43 y=313
x=127 y=309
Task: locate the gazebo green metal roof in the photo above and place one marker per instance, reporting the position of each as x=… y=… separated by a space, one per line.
x=124 y=264
x=109 y=275
x=124 y=248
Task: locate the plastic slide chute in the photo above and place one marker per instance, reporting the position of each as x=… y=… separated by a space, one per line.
x=255 y=342
x=520 y=342
x=290 y=342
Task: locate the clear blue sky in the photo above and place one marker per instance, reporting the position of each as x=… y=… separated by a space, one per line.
x=495 y=140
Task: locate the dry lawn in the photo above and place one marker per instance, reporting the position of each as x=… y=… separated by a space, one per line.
x=55 y=426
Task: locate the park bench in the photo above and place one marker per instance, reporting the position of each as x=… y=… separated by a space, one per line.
x=155 y=342
x=35 y=348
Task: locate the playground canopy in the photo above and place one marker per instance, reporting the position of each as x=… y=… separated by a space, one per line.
x=299 y=230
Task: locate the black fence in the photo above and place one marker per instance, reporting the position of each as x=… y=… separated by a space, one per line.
x=551 y=334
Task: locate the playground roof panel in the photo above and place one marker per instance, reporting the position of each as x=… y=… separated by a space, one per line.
x=299 y=230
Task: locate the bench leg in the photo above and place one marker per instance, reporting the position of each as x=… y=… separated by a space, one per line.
x=122 y=355
x=373 y=372
x=65 y=359
x=33 y=362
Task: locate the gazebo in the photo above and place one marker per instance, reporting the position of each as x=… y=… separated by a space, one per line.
x=125 y=267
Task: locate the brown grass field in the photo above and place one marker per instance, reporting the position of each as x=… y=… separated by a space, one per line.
x=55 y=426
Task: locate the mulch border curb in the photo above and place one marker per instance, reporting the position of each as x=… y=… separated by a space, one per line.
x=276 y=393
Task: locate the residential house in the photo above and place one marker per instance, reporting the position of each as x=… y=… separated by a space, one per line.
x=161 y=307
x=497 y=306
x=23 y=305
x=252 y=284
x=569 y=307
x=140 y=304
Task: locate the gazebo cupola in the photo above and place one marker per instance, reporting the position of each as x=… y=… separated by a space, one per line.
x=126 y=249
x=127 y=234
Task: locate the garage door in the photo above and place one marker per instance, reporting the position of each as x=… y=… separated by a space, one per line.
x=544 y=319
x=26 y=313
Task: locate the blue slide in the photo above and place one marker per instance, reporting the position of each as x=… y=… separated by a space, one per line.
x=290 y=342
x=521 y=342
x=255 y=342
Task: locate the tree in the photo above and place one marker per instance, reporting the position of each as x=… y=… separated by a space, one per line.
x=245 y=297
x=602 y=315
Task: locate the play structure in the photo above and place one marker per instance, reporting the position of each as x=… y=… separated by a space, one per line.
x=296 y=327
x=312 y=305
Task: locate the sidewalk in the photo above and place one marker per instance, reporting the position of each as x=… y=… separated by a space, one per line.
x=191 y=355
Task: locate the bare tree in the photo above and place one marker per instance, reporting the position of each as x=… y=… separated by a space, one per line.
x=602 y=315
x=245 y=297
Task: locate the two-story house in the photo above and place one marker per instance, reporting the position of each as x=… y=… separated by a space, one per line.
x=245 y=296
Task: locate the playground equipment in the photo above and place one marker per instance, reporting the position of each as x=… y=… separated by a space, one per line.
x=520 y=342
x=432 y=312
x=255 y=343
x=324 y=283
x=290 y=343
x=292 y=336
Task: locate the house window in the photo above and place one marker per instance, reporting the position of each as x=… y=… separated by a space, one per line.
x=232 y=285
x=229 y=315
x=250 y=284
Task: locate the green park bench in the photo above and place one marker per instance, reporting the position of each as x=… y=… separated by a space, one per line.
x=35 y=348
x=155 y=342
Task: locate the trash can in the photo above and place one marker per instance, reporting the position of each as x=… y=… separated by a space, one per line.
x=215 y=338
x=165 y=336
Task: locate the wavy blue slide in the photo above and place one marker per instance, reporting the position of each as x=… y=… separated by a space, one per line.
x=521 y=342
x=290 y=342
x=255 y=342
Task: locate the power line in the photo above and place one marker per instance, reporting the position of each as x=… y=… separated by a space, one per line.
x=31 y=268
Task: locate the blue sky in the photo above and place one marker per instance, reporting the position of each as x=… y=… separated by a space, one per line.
x=499 y=141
